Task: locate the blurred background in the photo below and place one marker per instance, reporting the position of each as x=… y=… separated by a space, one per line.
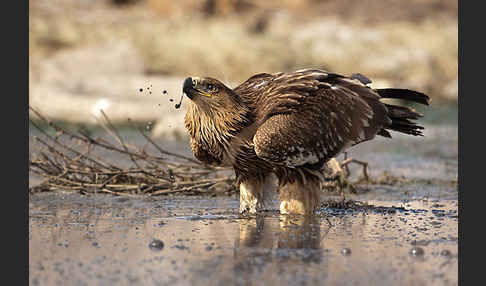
x=129 y=57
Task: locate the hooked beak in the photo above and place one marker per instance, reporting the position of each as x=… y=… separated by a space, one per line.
x=188 y=87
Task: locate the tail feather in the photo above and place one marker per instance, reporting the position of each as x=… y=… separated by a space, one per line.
x=405 y=94
x=402 y=116
x=402 y=112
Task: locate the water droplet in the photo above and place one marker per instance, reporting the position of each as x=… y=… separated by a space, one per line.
x=171 y=100
x=149 y=125
x=346 y=251
x=445 y=252
x=140 y=90
x=417 y=251
x=164 y=91
x=156 y=245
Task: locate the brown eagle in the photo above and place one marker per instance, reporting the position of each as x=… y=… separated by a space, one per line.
x=289 y=124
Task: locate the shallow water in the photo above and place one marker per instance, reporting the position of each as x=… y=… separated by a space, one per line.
x=102 y=240
x=190 y=240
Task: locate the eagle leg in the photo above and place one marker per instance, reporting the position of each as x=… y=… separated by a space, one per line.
x=299 y=197
x=256 y=194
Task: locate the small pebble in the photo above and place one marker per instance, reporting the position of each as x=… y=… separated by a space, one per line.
x=346 y=251
x=156 y=245
x=445 y=252
x=417 y=251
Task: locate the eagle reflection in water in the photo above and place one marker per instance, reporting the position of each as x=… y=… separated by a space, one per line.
x=281 y=241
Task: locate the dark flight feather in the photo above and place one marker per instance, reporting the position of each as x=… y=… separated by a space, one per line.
x=405 y=94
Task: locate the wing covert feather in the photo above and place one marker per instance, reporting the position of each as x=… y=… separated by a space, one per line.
x=318 y=126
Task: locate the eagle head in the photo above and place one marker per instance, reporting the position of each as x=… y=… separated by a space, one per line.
x=210 y=94
x=214 y=115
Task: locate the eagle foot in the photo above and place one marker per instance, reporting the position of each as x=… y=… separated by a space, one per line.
x=255 y=195
x=250 y=204
x=299 y=198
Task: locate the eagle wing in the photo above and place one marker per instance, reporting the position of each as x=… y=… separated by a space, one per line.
x=310 y=116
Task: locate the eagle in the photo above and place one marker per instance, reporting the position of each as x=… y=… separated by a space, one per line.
x=289 y=124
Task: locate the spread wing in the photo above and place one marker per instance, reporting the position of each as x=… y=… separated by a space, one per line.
x=310 y=116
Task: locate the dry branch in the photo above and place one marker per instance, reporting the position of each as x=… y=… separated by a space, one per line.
x=63 y=166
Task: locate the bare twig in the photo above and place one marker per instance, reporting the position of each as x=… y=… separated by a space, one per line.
x=164 y=152
x=64 y=167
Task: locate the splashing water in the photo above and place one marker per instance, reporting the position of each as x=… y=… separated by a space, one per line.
x=178 y=105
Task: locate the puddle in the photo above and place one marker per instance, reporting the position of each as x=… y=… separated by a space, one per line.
x=103 y=240
x=409 y=238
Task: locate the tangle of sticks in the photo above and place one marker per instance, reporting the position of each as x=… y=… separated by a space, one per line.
x=67 y=160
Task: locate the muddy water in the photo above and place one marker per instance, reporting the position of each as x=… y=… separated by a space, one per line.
x=106 y=240
x=75 y=240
